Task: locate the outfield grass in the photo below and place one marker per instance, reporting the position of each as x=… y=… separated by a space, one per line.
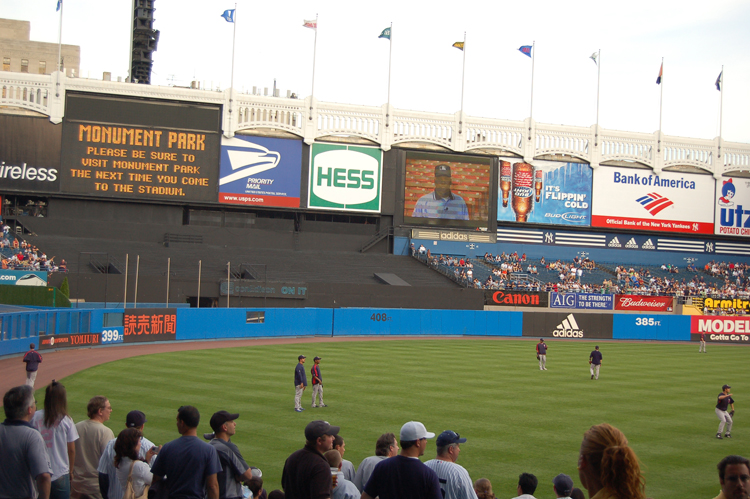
x=516 y=417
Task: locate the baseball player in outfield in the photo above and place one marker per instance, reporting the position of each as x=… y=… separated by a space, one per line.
x=541 y=354
x=724 y=401
x=595 y=362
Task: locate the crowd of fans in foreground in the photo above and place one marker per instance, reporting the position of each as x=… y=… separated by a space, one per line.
x=45 y=455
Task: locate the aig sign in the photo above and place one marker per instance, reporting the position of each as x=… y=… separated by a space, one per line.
x=345 y=178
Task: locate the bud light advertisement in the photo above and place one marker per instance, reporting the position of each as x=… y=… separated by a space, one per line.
x=733 y=207
x=547 y=192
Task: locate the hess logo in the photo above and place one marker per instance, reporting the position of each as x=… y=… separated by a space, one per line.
x=346 y=177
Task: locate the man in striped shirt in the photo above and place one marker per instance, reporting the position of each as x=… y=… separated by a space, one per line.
x=454 y=479
x=441 y=203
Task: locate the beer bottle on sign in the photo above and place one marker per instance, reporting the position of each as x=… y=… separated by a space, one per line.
x=505 y=179
x=538 y=183
x=523 y=178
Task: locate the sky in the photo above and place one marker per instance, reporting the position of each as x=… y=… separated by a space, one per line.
x=695 y=38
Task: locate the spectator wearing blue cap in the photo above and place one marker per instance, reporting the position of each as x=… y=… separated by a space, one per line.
x=454 y=479
x=441 y=203
x=563 y=486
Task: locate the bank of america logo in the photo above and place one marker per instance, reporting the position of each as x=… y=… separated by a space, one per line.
x=654 y=203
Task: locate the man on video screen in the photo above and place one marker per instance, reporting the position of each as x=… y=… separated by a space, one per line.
x=441 y=203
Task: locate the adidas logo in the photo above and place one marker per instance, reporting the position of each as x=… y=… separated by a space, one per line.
x=568 y=329
x=615 y=243
x=648 y=245
x=631 y=244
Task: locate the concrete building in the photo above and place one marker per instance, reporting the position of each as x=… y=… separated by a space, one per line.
x=22 y=55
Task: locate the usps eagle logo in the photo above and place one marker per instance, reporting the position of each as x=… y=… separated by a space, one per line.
x=654 y=203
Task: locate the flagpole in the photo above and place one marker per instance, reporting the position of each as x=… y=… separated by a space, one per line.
x=59 y=52
x=721 y=106
x=315 y=50
x=598 y=81
x=463 y=78
x=531 y=110
x=661 y=99
x=390 y=59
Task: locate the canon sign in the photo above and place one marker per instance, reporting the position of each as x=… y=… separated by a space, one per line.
x=27 y=173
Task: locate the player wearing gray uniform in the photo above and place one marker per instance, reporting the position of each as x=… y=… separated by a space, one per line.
x=541 y=353
x=722 y=404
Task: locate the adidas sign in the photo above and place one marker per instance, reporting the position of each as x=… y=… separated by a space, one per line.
x=648 y=245
x=615 y=243
x=631 y=244
x=568 y=329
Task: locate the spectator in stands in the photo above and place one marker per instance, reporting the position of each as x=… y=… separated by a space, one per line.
x=385 y=447
x=483 y=489
x=527 y=484
x=454 y=479
x=306 y=473
x=606 y=463
x=24 y=464
x=441 y=203
x=129 y=467
x=734 y=477
x=109 y=486
x=188 y=465
x=93 y=439
x=59 y=433
x=347 y=468
x=234 y=467
x=562 y=485
x=343 y=488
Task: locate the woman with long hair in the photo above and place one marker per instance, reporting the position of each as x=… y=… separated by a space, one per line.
x=483 y=489
x=60 y=435
x=607 y=467
x=127 y=446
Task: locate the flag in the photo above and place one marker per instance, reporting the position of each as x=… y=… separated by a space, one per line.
x=228 y=15
x=459 y=45
x=386 y=33
x=59 y=5
x=593 y=57
x=661 y=70
x=525 y=50
x=718 y=82
x=313 y=24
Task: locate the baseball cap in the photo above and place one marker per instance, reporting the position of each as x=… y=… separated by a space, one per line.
x=301 y=357
x=442 y=171
x=563 y=484
x=221 y=417
x=317 y=358
x=414 y=430
x=725 y=387
x=449 y=437
x=316 y=429
x=135 y=419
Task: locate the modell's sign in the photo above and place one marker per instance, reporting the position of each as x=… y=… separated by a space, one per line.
x=721 y=329
x=644 y=303
x=517 y=298
x=47 y=342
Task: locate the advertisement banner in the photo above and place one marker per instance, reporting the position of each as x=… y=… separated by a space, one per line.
x=50 y=341
x=149 y=324
x=549 y=192
x=345 y=178
x=260 y=171
x=536 y=299
x=447 y=190
x=628 y=198
x=638 y=303
x=720 y=329
x=271 y=289
x=731 y=218
x=560 y=325
x=112 y=335
x=23 y=278
x=29 y=154
x=588 y=301
x=726 y=304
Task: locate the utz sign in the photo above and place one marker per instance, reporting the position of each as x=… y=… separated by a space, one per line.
x=345 y=178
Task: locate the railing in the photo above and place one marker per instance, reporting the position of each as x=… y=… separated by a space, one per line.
x=312 y=120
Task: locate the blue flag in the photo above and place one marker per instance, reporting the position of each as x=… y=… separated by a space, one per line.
x=386 y=33
x=228 y=15
x=718 y=82
x=59 y=5
x=525 y=50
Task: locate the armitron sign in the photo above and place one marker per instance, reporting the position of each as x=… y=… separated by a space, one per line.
x=517 y=298
x=644 y=303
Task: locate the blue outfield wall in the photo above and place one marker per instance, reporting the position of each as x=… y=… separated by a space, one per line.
x=651 y=327
x=219 y=323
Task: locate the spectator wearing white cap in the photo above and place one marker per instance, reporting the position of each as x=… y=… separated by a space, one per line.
x=454 y=479
x=563 y=486
x=405 y=476
x=307 y=474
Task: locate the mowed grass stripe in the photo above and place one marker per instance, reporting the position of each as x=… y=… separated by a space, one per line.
x=516 y=417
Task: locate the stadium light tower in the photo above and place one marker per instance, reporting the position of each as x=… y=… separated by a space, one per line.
x=143 y=41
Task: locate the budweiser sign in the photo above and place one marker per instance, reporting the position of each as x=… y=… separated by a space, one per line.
x=644 y=303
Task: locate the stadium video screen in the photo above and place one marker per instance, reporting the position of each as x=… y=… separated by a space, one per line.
x=446 y=190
